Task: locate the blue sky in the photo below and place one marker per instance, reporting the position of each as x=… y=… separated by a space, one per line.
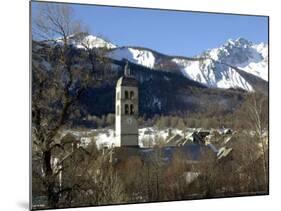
x=169 y=32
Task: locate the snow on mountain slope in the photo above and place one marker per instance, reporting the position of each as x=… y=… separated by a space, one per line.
x=141 y=57
x=218 y=67
x=191 y=70
x=258 y=67
x=243 y=54
x=84 y=40
x=212 y=74
x=214 y=68
x=95 y=42
x=135 y=55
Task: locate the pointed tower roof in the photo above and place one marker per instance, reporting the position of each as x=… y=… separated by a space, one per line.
x=127 y=79
x=127 y=71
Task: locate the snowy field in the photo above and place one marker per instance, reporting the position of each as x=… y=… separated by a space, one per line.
x=148 y=136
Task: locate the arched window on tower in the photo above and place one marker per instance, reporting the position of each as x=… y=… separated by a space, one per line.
x=126 y=109
x=132 y=95
x=132 y=109
x=126 y=94
x=117 y=110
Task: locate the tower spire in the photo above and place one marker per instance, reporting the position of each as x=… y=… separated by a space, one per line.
x=127 y=71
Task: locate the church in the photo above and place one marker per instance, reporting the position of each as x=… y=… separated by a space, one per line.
x=126 y=110
x=126 y=129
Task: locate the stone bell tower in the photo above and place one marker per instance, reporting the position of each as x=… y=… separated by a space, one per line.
x=126 y=110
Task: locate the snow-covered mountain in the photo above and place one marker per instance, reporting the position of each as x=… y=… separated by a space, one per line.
x=95 y=42
x=85 y=40
x=212 y=74
x=219 y=67
x=138 y=56
x=243 y=54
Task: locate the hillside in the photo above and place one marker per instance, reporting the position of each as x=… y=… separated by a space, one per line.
x=168 y=85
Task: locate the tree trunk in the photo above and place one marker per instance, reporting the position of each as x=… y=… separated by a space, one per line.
x=52 y=194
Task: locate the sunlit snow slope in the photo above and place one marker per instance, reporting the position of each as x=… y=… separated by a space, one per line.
x=218 y=67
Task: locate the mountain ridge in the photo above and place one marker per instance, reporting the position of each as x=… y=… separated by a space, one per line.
x=214 y=68
x=160 y=92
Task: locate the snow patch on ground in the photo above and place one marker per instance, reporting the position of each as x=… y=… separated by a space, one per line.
x=148 y=136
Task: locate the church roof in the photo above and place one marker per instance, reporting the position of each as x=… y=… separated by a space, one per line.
x=127 y=81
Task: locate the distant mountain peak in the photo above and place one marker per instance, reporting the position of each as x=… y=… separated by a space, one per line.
x=239 y=42
x=86 y=40
x=95 y=42
x=218 y=67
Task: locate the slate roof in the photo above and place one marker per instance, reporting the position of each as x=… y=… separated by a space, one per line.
x=192 y=151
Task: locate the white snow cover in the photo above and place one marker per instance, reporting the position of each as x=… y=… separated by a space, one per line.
x=243 y=54
x=95 y=42
x=212 y=74
x=258 y=65
x=191 y=69
x=150 y=135
x=88 y=41
x=230 y=78
x=106 y=137
x=217 y=69
x=257 y=69
x=141 y=57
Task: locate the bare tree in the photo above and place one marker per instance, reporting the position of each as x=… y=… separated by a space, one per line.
x=251 y=150
x=59 y=78
x=55 y=20
x=256 y=113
